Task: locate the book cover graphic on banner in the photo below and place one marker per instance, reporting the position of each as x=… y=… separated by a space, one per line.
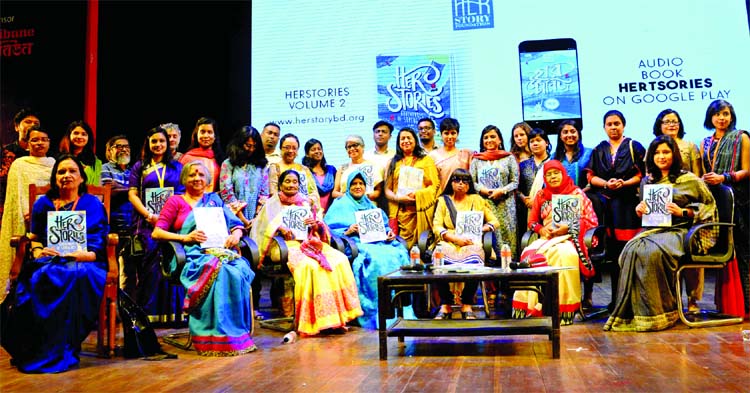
x=211 y=221
x=410 y=180
x=469 y=224
x=656 y=197
x=566 y=209
x=371 y=225
x=293 y=217
x=413 y=87
x=66 y=231
x=156 y=197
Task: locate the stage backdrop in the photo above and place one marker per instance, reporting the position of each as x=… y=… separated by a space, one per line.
x=328 y=69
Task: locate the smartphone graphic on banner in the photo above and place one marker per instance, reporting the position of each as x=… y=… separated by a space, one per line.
x=550 y=88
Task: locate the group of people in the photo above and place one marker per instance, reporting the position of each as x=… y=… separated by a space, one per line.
x=417 y=189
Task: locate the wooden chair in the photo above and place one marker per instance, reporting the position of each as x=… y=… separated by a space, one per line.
x=108 y=307
x=716 y=258
x=595 y=240
x=175 y=250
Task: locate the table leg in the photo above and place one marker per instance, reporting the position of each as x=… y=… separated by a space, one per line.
x=553 y=294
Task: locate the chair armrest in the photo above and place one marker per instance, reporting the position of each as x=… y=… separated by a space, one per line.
x=169 y=250
x=402 y=241
x=423 y=243
x=249 y=250
x=112 y=240
x=487 y=240
x=283 y=249
x=21 y=244
x=342 y=242
x=600 y=234
x=711 y=257
x=527 y=238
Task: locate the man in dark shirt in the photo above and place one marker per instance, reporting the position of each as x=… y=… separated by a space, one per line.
x=23 y=120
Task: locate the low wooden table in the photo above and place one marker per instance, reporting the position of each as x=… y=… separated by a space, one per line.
x=398 y=283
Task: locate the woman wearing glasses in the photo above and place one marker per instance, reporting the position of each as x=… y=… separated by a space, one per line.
x=289 y=144
x=373 y=173
x=459 y=196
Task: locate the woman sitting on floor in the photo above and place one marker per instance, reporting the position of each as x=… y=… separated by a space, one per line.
x=561 y=244
x=646 y=297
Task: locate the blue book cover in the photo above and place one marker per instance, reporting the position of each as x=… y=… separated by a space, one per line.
x=413 y=87
x=66 y=231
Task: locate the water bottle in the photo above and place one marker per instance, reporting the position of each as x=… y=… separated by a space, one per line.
x=437 y=256
x=414 y=256
x=505 y=256
x=290 y=338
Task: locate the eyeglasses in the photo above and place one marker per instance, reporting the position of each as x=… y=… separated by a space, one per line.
x=35 y=140
x=290 y=148
x=121 y=147
x=670 y=122
x=426 y=128
x=353 y=146
x=461 y=180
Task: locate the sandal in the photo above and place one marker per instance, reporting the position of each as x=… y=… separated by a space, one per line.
x=468 y=315
x=444 y=315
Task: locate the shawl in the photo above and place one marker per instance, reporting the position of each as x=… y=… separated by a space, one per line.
x=341 y=214
x=541 y=213
x=328 y=181
x=726 y=157
x=268 y=222
x=491 y=155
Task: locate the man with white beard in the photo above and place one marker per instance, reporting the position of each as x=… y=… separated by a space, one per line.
x=116 y=172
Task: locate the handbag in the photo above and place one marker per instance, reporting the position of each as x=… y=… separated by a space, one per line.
x=140 y=338
x=137 y=246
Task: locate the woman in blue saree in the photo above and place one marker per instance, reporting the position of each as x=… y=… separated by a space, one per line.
x=58 y=296
x=374 y=259
x=216 y=280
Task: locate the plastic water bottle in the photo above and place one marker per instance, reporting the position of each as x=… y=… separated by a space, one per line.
x=414 y=256
x=505 y=256
x=437 y=256
x=290 y=338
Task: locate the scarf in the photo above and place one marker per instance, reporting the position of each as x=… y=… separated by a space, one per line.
x=328 y=181
x=490 y=155
x=201 y=152
x=363 y=203
x=313 y=245
x=566 y=186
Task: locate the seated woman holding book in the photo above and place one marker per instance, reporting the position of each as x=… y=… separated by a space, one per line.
x=59 y=291
x=646 y=298
x=560 y=214
x=376 y=257
x=452 y=227
x=216 y=279
x=325 y=291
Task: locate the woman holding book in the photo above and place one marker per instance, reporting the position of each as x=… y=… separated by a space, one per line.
x=411 y=205
x=646 y=298
x=153 y=179
x=59 y=292
x=376 y=258
x=560 y=214
x=325 y=291
x=217 y=279
x=457 y=238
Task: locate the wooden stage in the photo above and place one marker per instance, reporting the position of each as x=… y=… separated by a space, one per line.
x=679 y=359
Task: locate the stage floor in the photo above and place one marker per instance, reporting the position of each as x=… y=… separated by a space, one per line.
x=678 y=359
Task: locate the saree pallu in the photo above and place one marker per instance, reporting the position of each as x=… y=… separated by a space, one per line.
x=323 y=299
x=217 y=299
x=560 y=252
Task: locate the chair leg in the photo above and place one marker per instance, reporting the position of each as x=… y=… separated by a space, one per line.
x=107 y=322
x=713 y=318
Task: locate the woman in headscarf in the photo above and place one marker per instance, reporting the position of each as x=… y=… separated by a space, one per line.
x=374 y=259
x=561 y=229
x=325 y=291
